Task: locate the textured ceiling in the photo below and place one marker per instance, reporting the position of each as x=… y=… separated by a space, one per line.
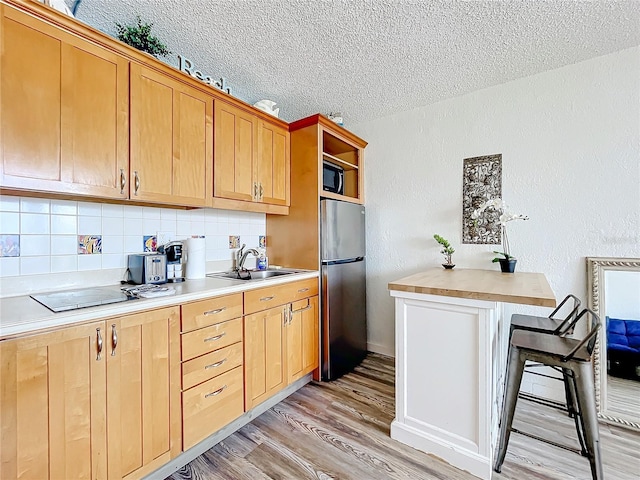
x=371 y=58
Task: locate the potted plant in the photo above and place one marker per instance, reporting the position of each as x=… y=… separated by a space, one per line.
x=447 y=251
x=508 y=261
x=139 y=36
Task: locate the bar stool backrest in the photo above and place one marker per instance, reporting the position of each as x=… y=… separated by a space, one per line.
x=590 y=338
x=564 y=326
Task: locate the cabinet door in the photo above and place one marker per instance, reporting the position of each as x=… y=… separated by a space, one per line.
x=64 y=108
x=235 y=153
x=273 y=164
x=264 y=355
x=302 y=339
x=143 y=376
x=171 y=140
x=53 y=405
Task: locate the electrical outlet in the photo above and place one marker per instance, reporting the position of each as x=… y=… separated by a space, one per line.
x=165 y=237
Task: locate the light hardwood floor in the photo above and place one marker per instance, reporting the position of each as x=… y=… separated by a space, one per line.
x=340 y=430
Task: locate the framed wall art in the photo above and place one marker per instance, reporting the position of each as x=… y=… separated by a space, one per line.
x=482 y=181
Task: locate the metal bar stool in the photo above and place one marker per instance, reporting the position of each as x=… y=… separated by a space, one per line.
x=554 y=324
x=574 y=358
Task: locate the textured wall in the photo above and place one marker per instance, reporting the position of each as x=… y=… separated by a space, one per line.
x=570 y=144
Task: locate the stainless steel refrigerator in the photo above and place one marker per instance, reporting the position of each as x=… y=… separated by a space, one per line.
x=343 y=287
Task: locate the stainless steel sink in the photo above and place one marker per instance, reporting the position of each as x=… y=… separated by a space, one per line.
x=249 y=275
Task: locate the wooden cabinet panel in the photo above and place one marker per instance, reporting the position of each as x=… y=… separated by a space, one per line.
x=143 y=409
x=273 y=164
x=171 y=140
x=211 y=338
x=53 y=405
x=235 y=153
x=302 y=339
x=264 y=355
x=268 y=297
x=212 y=405
x=66 y=131
x=207 y=366
x=208 y=312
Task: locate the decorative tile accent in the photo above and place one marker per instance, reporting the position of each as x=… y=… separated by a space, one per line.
x=234 y=241
x=89 y=244
x=262 y=241
x=149 y=243
x=9 y=245
x=481 y=181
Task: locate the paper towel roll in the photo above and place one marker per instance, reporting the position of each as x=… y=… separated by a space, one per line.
x=196 y=257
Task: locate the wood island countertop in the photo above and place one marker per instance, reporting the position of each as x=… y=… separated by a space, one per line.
x=520 y=287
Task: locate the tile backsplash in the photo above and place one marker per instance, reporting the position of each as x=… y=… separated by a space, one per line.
x=56 y=236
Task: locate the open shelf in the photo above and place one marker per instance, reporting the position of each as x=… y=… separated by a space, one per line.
x=343 y=163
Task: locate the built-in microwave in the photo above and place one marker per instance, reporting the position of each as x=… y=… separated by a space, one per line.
x=332 y=178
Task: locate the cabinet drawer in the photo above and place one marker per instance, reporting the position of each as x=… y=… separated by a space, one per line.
x=211 y=338
x=210 y=406
x=208 y=312
x=268 y=297
x=211 y=365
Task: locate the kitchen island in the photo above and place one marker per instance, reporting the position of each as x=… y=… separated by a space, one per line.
x=451 y=342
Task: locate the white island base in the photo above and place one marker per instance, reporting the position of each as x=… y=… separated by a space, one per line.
x=450 y=356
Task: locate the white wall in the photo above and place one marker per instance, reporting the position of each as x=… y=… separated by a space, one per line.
x=570 y=145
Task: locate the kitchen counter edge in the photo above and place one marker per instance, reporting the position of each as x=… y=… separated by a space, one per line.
x=23 y=315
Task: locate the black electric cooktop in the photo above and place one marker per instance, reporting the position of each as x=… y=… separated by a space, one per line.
x=86 y=297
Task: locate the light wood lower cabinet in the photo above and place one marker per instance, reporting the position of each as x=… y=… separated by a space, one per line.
x=281 y=343
x=264 y=355
x=212 y=373
x=92 y=401
x=53 y=405
x=143 y=398
x=302 y=331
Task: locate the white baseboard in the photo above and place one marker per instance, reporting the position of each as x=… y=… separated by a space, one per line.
x=451 y=453
x=389 y=351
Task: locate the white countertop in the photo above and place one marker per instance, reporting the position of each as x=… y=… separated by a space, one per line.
x=20 y=315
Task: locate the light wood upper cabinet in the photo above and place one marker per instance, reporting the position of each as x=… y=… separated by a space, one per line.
x=53 y=405
x=273 y=164
x=251 y=159
x=302 y=331
x=64 y=111
x=235 y=153
x=143 y=407
x=171 y=140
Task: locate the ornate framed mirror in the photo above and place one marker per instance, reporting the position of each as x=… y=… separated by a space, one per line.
x=614 y=294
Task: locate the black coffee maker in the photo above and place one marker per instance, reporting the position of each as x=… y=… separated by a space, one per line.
x=175 y=263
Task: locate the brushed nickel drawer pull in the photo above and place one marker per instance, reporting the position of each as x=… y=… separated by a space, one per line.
x=267 y=299
x=302 y=309
x=136 y=183
x=99 y=340
x=123 y=181
x=255 y=191
x=213 y=312
x=261 y=192
x=217 y=392
x=302 y=290
x=114 y=339
x=217 y=337
x=214 y=365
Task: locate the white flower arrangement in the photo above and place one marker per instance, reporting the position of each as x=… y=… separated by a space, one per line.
x=505 y=217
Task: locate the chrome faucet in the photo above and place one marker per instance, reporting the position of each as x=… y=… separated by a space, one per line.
x=241 y=256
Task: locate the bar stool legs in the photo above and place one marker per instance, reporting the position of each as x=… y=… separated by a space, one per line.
x=513 y=380
x=589 y=417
